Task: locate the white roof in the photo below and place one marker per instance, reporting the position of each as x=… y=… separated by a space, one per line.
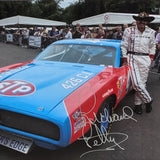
x=23 y=20
x=111 y=18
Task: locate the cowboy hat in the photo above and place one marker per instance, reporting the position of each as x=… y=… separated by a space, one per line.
x=143 y=16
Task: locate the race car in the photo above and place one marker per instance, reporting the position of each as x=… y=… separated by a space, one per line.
x=56 y=98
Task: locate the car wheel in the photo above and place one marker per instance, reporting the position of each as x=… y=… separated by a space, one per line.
x=104 y=114
x=101 y=125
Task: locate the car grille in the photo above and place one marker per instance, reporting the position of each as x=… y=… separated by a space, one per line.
x=29 y=124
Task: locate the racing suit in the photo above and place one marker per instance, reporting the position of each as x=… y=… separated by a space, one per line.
x=138 y=47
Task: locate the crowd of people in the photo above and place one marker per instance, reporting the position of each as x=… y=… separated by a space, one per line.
x=48 y=36
x=21 y=36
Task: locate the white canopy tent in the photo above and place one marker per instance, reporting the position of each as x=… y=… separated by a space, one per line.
x=29 y=21
x=111 y=18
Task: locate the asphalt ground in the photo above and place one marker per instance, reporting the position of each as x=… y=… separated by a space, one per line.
x=133 y=137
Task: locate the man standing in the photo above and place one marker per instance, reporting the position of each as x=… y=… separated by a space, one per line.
x=138 y=49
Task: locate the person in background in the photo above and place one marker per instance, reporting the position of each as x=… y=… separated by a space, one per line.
x=25 y=37
x=62 y=33
x=110 y=34
x=157 y=56
x=77 y=32
x=3 y=33
x=133 y=23
x=44 y=38
x=18 y=35
x=100 y=26
x=94 y=32
x=125 y=26
x=86 y=33
x=79 y=27
x=118 y=34
x=101 y=34
x=45 y=32
x=53 y=35
x=138 y=49
x=37 y=33
x=68 y=33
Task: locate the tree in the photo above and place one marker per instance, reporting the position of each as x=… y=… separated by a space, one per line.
x=130 y=6
x=87 y=8
x=10 y=8
x=49 y=9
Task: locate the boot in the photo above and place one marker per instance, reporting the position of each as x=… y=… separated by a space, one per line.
x=149 y=107
x=138 y=109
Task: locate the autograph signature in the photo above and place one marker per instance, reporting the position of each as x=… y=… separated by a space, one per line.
x=102 y=136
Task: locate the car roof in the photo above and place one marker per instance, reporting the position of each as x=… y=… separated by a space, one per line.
x=105 y=42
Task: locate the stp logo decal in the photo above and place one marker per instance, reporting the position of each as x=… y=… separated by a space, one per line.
x=16 y=88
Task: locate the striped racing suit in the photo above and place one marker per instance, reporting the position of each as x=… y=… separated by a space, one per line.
x=137 y=47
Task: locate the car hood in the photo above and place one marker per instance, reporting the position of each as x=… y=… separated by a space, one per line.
x=47 y=84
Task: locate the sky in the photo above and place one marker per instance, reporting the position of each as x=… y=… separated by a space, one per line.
x=66 y=3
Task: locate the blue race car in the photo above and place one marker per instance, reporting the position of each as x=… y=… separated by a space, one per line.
x=54 y=99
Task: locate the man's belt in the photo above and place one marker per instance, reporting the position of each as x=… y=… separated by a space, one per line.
x=138 y=53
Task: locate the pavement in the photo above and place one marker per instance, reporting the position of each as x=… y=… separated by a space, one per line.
x=132 y=137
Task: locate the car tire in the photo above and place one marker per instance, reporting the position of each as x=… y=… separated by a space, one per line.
x=101 y=123
x=103 y=116
x=100 y=127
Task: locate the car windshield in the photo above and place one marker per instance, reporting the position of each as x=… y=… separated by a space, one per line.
x=79 y=53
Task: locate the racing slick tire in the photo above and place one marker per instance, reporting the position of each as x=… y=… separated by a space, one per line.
x=104 y=114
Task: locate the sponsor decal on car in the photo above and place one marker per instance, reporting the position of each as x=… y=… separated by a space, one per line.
x=16 y=88
x=79 y=124
x=120 y=83
x=109 y=91
x=79 y=120
x=12 y=71
x=77 y=114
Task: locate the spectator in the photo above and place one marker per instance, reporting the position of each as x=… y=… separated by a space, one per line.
x=110 y=34
x=17 y=36
x=158 y=39
x=157 y=56
x=101 y=34
x=86 y=33
x=125 y=26
x=134 y=23
x=3 y=34
x=53 y=35
x=31 y=32
x=94 y=32
x=62 y=33
x=80 y=28
x=77 y=33
x=119 y=33
x=100 y=26
x=38 y=33
x=25 y=37
x=68 y=33
x=44 y=39
x=45 y=32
